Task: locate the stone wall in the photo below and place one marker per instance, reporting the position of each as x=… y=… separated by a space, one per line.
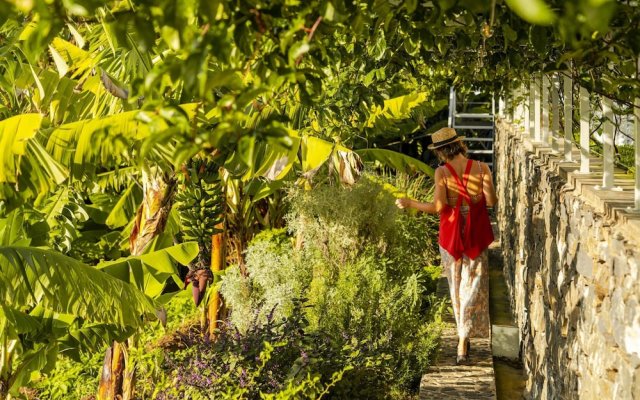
x=571 y=260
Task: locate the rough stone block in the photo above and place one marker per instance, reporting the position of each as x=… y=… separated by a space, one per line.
x=505 y=341
x=584 y=264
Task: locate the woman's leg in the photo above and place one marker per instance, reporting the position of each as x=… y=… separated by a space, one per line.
x=453 y=272
x=474 y=298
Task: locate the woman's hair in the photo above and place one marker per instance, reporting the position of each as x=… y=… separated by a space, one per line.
x=449 y=151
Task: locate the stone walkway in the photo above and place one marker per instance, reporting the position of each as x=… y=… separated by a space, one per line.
x=446 y=380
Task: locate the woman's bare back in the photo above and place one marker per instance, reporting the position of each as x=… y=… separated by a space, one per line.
x=475 y=184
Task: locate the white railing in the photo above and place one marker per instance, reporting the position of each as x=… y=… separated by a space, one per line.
x=538 y=112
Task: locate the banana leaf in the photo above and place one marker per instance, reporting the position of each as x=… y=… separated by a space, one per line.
x=398 y=161
x=149 y=272
x=31 y=276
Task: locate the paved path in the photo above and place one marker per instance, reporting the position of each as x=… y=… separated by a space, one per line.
x=446 y=380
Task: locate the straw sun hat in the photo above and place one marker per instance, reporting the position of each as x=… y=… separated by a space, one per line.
x=443 y=137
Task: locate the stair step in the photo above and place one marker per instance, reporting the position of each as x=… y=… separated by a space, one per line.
x=478 y=139
x=487 y=127
x=471 y=151
x=474 y=115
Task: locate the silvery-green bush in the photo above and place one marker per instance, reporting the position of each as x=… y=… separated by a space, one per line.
x=359 y=266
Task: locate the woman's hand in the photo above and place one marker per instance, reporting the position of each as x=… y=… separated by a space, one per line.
x=404 y=203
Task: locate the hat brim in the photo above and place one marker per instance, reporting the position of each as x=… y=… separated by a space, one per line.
x=458 y=139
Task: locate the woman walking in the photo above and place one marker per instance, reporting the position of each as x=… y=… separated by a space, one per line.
x=463 y=191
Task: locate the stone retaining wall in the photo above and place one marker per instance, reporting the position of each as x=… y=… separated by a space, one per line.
x=571 y=260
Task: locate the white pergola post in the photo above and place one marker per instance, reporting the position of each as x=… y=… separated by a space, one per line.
x=636 y=114
x=515 y=106
x=585 y=117
x=608 y=152
x=532 y=105
x=452 y=106
x=526 y=113
x=523 y=110
x=568 y=118
x=555 y=114
x=536 y=110
x=544 y=123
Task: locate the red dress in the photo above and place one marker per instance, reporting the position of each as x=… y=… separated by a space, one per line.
x=468 y=234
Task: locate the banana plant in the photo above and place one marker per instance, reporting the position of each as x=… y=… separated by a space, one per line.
x=53 y=302
x=118 y=372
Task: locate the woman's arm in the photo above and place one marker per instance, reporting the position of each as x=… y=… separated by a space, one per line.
x=410 y=203
x=487 y=186
x=439 y=198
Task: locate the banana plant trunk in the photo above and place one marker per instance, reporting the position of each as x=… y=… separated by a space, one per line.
x=4 y=389
x=118 y=372
x=215 y=309
x=111 y=379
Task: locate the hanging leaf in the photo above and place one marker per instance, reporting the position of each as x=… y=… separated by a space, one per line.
x=112 y=88
x=61 y=64
x=395 y=160
x=315 y=152
x=534 y=11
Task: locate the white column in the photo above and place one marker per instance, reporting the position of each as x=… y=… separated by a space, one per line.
x=527 y=112
x=636 y=114
x=452 y=106
x=585 y=167
x=532 y=106
x=514 y=96
x=568 y=118
x=555 y=113
x=607 y=145
x=521 y=106
x=536 y=110
x=545 y=110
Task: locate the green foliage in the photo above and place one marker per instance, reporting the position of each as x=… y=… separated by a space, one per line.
x=398 y=161
x=276 y=280
x=533 y=11
x=367 y=217
x=93 y=92
x=76 y=379
x=277 y=359
x=626 y=153
x=63 y=212
x=361 y=271
x=53 y=303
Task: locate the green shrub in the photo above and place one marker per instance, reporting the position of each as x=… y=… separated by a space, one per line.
x=279 y=359
x=276 y=280
x=362 y=268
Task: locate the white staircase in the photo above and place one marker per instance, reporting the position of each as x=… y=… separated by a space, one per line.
x=475 y=120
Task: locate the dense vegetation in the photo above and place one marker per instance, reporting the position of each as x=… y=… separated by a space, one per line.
x=141 y=138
